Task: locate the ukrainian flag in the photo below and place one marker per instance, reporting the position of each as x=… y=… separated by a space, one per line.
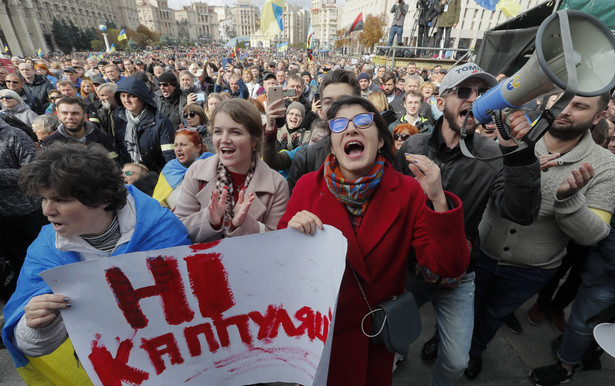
x=172 y=174
x=6 y=48
x=39 y=53
x=271 y=19
x=510 y=8
x=122 y=35
x=112 y=48
x=283 y=46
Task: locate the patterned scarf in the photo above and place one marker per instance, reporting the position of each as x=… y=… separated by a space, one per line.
x=354 y=194
x=223 y=180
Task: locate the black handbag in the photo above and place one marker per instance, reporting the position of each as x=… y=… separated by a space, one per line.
x=396 y=323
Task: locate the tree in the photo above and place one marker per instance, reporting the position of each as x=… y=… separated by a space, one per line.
x=150 y=36
x=373 y=30
x=61 y=35
x=342 y=40
x=131 y=46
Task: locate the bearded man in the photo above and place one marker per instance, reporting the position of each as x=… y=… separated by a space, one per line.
x=511 y=185
x=515 y=263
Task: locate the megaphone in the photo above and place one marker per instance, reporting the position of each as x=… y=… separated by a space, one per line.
x=604 y=333
x=591 y=50
x=578 y=64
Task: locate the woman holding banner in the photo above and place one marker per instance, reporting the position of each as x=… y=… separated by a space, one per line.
x=234 y=192
x=385 y=216
x=92 y=215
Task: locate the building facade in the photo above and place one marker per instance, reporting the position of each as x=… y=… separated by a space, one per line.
x=325 y=21
x=126 y=12
x=245 y=18
x=197 y=22
x=296 y=22
x=25 y=25
x=157 y=16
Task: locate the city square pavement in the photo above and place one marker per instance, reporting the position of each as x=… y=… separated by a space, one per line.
x=507 y=361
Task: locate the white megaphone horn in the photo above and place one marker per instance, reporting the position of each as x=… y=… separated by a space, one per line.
x=575 y=53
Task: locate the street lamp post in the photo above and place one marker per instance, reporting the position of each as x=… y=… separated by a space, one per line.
x=103 y=29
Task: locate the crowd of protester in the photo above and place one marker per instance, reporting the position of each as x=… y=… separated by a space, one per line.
x=228 y=144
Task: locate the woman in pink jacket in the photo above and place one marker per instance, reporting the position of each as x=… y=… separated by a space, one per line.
x=233 y=193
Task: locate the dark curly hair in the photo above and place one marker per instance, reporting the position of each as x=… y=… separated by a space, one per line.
x=84 y=172
x=381 y=125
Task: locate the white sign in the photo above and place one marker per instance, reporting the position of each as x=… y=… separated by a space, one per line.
x=244 y=310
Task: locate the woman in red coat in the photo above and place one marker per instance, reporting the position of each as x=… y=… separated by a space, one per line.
x=384 y=215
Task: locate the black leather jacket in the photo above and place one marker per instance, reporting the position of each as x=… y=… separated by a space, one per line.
x=513 y=183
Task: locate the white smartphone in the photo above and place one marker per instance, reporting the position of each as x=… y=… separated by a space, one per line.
x=274 y=93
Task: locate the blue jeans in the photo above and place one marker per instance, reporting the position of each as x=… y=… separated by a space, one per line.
x=578 y=335
x=453 y=308
x=500 y=290
x=396 y=29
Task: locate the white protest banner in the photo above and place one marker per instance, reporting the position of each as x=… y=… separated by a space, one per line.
x=244 y=310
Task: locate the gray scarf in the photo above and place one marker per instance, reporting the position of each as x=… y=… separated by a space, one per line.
x=130 y=138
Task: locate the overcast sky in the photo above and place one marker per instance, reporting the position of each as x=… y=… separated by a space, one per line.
x=176 y=4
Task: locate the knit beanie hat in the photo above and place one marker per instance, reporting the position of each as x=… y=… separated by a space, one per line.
x=363 y=75
x=170 y=78
x=296 y=106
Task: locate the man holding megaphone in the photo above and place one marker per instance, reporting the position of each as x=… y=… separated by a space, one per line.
x=512 y=184
x=516 y=262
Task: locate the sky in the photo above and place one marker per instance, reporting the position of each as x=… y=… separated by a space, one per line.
x=175 y=4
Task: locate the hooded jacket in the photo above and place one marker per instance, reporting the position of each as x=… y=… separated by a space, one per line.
x=155 y=131
x=22 y=112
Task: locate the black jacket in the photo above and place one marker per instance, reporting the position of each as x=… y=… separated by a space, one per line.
x=513 y=183
x=308 y=159
x=40 y=88
x=172 y=106
x=93 y=134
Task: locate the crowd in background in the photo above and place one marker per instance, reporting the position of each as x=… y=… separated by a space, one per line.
x=223 y=142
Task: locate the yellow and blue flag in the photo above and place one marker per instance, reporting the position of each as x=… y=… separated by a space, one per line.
x=39 y=53
x=122 y=35
x=172 y=174
x=271 y=18
x=100 y=55
x=6 y=48
x=510 y=8
x=283 y=46
x=112 y=48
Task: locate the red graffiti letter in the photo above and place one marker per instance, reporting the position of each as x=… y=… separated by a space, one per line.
x=157 y=347
x=265 y=323
x=306 y=316
x=112 y=371
x=282 y=318
x=209 y=283
x=192 y=338
x=241 y=321
x=324 y=321
x=168 y=285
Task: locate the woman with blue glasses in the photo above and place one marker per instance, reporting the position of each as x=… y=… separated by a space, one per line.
x=385 y=216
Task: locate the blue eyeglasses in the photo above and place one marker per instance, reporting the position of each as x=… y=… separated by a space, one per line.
x=360 y=121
